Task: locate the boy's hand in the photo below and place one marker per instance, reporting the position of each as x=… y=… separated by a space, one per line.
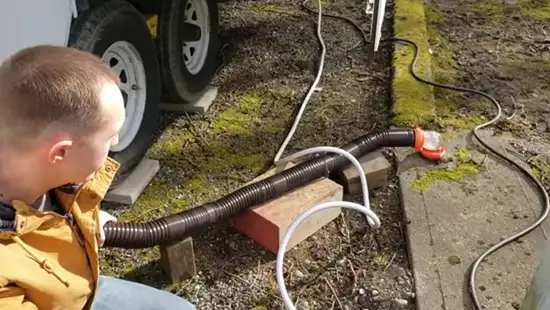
x=104 y=218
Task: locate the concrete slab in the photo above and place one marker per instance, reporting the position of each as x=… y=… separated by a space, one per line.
x=201 y=106
x=376 y=168
x=450 y=223
x=129 y=190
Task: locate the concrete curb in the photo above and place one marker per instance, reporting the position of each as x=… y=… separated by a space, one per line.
x=413 y=101
x=414 y=105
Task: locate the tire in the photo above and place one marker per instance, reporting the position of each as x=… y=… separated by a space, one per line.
x=185 y=81
x=118 y=33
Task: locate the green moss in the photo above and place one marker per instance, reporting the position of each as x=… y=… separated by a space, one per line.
x=538 y=9
x=459 y=121
x=436 y=175
x=462 y=155
x=492 y=11
x=447 y=136
x=443 y=64
x=413 y=100
x=153 y=198
x=208 y=158
x=508 y=127
x=416 y=103
x=172 y=145
x=540 y=168
x=212 y=154
x=464 y=167
x=241 y=118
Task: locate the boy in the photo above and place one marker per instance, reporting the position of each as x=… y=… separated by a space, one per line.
x=60 y=111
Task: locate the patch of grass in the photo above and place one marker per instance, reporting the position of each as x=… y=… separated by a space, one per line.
x=413 y=100
x=538 y=9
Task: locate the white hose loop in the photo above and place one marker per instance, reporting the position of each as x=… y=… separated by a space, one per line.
x=298 y=221
x=372 y=218
x=354 y=161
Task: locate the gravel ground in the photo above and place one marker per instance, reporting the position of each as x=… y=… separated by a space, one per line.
x=271 y=54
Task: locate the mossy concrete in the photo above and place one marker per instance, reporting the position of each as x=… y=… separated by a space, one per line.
x=455 y=210
x=414 y=103
x=463 y=167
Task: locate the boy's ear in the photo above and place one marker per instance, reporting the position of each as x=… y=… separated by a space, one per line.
x=59 y=150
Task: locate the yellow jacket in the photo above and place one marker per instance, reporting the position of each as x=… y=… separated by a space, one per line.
x=47 y=263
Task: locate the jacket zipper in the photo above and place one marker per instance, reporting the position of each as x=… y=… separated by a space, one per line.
x=70 y=219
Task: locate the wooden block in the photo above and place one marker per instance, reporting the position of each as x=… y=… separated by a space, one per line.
x=267 y=223
x=131 y=188
x=200 y=106
x=376 y=168
x=178 y=260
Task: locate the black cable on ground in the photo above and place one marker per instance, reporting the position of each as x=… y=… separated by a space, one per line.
x=543 y=192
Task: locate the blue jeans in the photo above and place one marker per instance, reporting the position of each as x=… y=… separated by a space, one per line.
x=115 y=294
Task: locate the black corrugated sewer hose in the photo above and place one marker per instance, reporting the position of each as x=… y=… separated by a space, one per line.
x=177 y=226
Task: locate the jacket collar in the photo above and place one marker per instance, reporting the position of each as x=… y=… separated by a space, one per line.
x=99 y=184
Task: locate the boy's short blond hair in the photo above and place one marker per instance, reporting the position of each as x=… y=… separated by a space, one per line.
x=50 y=88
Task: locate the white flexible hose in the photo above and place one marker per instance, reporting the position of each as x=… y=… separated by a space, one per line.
x=351 y=158
x=372 y=218
x=276 y=160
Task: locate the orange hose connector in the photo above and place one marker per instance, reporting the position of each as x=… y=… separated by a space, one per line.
x=428 y=144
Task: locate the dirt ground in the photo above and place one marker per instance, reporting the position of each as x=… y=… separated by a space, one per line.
x=269 y=60
x=502 y=48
